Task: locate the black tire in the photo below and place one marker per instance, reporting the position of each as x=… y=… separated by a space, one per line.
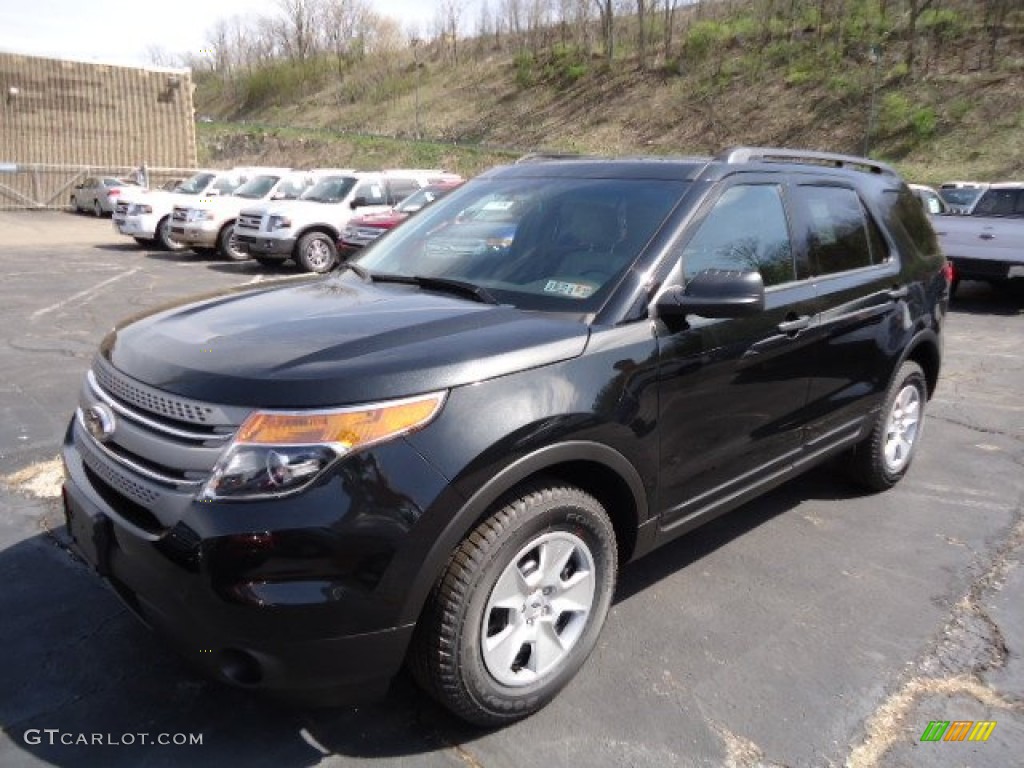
x=163 y=236
x=97 y=209
x=316 y=252
x=448 y=657
x=74 y=205
x=871 y=465
x=227 y=246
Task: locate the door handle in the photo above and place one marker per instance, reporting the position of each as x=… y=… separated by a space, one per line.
x=987 y=236
x=899 y=293
x=794 y=324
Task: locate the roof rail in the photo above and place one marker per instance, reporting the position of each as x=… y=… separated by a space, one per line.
x=738 y=155
x=536 y=157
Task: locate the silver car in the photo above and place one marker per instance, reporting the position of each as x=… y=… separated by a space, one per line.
x=99 y=194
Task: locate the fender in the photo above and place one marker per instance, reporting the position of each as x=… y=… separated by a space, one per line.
x=473 y=509
x=924 y=337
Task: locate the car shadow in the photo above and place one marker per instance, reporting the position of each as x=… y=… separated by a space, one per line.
x=76 y=663
x=120 y=247
x=979 y=298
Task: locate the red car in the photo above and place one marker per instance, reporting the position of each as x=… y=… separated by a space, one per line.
x=363 y=230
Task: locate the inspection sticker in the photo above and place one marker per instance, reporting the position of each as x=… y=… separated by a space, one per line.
x=575 y=290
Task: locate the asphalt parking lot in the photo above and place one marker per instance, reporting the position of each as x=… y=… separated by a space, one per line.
x=814 y=627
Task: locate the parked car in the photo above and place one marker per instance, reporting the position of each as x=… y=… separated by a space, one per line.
x=363 y=230
x=960 y=196
x=207 y=224
x=444 y=462
x=933 y=203
x=307 y=229
x=988 y=243
x=99 y=194
x=146 y=215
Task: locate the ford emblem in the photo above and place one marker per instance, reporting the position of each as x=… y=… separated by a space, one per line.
x=99 y=421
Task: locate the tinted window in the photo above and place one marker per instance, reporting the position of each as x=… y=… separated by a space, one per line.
x=907 y=220
x=330 y=189
x=837 y=229
x=746 y=230
x=372 y=192
x=257 y=187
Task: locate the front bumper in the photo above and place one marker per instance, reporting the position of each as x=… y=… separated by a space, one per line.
x=279 y=247
x=249 y=595
x=200 y=234
x=142 y=226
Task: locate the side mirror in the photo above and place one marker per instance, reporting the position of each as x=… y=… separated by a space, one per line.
x=714 y=293
x=357 y=202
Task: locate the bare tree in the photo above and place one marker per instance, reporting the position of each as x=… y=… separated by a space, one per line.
x=451 y=18
x=606 y=10
x=299 y=27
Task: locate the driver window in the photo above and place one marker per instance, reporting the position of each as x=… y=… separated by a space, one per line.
x=747 y=231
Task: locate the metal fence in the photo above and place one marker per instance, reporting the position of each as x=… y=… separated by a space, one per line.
x=41 y=186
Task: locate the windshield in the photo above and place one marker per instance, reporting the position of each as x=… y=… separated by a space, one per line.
x=331 y=189
x=290 y=189
x=226 y=185
x=960 y=196
x=194 y=184
x=548 y=244
x=257 y=187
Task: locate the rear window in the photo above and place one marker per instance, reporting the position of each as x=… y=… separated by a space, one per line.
x=908 y=222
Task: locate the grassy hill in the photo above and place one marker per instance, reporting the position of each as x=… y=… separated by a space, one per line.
x=734 y=75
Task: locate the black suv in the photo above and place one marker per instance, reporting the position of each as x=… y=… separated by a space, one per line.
x=441 y=454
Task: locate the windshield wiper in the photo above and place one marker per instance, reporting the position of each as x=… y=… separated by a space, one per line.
x=440 y=284
x=362 y=272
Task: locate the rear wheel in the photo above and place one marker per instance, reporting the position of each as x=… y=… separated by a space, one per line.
x=163 y=236
x=74 y=204
x=227 y=244
x=519 y=607
x=97 y=209
x=315 y=252
x=884 y=457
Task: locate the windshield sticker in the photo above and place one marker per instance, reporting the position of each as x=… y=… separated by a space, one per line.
x=498 y=205
x=573 y=290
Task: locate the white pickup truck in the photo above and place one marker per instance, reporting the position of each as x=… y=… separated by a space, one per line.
x=206 y=224
x=988 y=243
x=146 y=215
x=307 y=229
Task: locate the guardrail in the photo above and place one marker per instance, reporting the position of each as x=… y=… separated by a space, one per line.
x=42 y=186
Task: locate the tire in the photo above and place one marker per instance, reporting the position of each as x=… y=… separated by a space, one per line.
x=227 y=246
x=488 y=663
x=74 y=205
x=97 y=209
x=315 y=252
x=884 y=457
x=163 y=236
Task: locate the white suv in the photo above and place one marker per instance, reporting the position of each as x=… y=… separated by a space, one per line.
x=207 y=223
x=146 y=216
x=307 y=229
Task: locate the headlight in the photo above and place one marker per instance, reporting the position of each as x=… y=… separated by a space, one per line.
x=278 y=222
x=138 y=209
x=280 y=452
x=197 y=214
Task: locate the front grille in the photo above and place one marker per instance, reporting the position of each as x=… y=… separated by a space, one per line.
x=119 y=480
x=150 y=400
x=180 y=214
x=134 y=513
x=248 y=221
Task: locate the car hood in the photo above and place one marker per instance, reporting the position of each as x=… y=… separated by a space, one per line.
x=333 y=341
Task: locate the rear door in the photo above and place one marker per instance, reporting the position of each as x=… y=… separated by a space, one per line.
x=733 y=391
x=861 y=309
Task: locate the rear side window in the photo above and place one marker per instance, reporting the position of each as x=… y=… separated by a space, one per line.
x=1001 y=202
x=372 y=192
x=747 y=231
x=401 y=189
x=839 y=234
x=907 y=220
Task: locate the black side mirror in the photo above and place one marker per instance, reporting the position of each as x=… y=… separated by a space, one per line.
x=714 y=293
x=357 y=202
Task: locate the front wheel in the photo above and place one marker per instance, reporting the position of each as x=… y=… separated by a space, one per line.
x=227 y=245
x=519 y=607
x=884 y=457
x=163 y=236
x=315 y=252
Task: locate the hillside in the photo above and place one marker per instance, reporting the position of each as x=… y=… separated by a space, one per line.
x=949 y=106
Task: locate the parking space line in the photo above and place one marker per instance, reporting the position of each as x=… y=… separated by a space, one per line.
x=983 y=404
x=87 y=293
x=958 y=502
